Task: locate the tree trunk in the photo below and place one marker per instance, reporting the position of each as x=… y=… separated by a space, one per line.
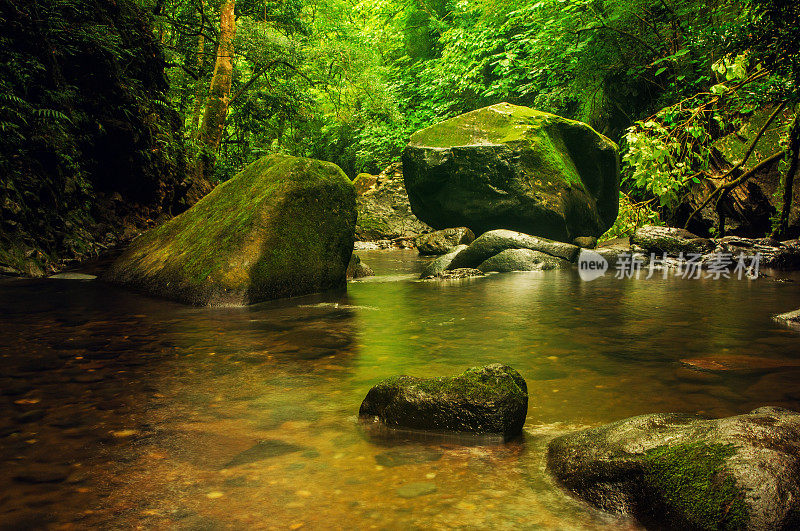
x=788 y=183
x=220 y=91
x=198 y=102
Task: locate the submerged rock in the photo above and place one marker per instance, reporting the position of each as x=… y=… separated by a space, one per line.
x=683 y=472
x=512 y=167
x=443 y=241
x=358 y=269
x=454 y=274
x=281 y=227
x=493 y=242
x=490 y=399
x=522 y=260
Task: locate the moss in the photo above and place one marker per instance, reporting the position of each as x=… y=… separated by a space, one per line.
x=272 y=231
x=476 y=383
x=693 y=479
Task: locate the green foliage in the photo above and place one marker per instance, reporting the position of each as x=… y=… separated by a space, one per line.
x=631 y=216
x=693 y=479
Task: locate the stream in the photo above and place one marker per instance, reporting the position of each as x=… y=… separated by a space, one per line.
x=120 y=410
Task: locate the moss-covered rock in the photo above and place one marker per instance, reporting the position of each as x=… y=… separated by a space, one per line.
x=281 y=227
x=493 y=242
x=522 y=260
x=683 y=472
x=512 y=167
x=443 y=241
x=491 y=400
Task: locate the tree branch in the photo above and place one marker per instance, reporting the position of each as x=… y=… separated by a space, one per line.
x=738 y=165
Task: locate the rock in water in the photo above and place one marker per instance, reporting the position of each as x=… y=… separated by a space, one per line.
x=522 y=260
x=443 y=241
x=281 y=227
x=441 y=263
x=670 y=240
x=674 y=471
x=493 y=242
x=358 y=269
x=515 y=168
x=488 y=400
x=791 y=319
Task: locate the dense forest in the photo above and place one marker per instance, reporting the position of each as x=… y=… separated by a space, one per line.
x=349 y=81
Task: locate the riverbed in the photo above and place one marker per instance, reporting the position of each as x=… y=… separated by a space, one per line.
x=120 y=410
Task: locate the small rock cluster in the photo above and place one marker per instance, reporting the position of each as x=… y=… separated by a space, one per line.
x=502 y=251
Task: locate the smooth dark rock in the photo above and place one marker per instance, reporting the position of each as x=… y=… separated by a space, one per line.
x=512 y=167
x=443 y=241
x=522 y=260
x=491 y=400
x=43 y=474
x=677 y=471
x=670 y=241
x=493 y=242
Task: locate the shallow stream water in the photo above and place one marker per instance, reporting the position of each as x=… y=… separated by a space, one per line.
x=120 y=410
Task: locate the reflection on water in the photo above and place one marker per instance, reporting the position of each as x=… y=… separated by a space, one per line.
x=120 y=410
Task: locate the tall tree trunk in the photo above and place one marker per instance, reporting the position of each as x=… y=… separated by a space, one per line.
x=198 y=102
x=220 y=91
x=788 y=182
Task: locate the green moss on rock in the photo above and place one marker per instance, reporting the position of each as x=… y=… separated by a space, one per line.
x=281 y=227
x=693 y=479
x=513 y=167
x=490 y=399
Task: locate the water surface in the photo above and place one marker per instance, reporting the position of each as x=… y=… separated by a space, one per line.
x=121 y=410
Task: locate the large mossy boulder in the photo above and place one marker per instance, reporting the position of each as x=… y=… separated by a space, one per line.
x=486 y=400
x=511 y=167
x=281 y=227
x=674 y=471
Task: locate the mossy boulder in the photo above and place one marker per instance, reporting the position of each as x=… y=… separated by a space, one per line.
x=675 y=471
x=512 y=167
x=443 y=241
x=486 y=400
x=281 y=227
